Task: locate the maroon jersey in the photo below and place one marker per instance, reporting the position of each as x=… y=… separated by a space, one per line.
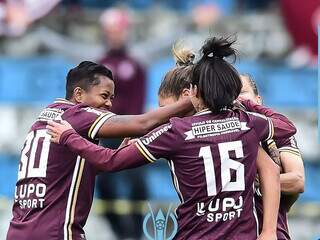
x=54 y=190
x=284 y=145
x=213 y=163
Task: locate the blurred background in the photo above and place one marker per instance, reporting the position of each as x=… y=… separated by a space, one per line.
x=40 y=40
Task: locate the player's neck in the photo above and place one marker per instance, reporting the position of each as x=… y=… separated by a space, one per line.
x=73 y=100
x=200 y=106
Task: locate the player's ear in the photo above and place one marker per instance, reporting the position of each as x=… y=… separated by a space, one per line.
x=193 y=90
x=259 y=99
x=78 y=94
x=185 y=92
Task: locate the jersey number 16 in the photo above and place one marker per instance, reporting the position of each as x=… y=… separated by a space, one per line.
x=226 y=165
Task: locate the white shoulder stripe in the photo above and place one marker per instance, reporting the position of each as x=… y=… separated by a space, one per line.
x=257 y=115
x=99 y=124
x=271 y=130
x=146 y=150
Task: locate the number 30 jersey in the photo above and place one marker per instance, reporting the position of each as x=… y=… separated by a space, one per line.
x=54 y=190
x=213 y=165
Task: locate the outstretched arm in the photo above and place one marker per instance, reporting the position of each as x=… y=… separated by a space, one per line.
x=138 y=125
x=283 y=127
x=269 y=176
x=104 y=159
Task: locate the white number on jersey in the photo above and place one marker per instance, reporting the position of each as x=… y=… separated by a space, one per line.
x=226 y=165
x=32 y=141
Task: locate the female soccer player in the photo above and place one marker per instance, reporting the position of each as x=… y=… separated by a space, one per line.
x=292 y=175
x=176 y=86
x=214 y=155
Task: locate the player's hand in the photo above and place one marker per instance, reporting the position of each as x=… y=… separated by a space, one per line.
x=268 y=235
x=124 y=143
x=237 y=104
x=247 y=104
x=56 y=129
x=133 y=140
x=127 y=141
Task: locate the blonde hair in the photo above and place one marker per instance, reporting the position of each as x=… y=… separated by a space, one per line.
x=183 y=56
x=178 y=78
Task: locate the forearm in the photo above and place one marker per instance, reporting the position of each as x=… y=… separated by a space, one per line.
x=138 y=125
x=270 y=186
x=163 y=114
x=291 y=183
x=102 y=158
x=271 y=199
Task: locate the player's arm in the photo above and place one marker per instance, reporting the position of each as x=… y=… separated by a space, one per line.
x=292 y=177
x=292 y=169
x=138 y=125
x=103 y=158
x=269 y=176
x=292 y=180
x=283 y=127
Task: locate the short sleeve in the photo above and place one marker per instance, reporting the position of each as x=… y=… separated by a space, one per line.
x=86 y=120
x=262 y=125
x=288 y=145
x=162 y=142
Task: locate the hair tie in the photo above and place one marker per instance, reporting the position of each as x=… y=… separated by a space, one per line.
x=210 y=55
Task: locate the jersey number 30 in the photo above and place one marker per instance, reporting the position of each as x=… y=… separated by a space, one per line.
x=33 y=143
x=226 y=165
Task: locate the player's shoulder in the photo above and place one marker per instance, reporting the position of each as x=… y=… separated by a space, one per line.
x=249 y=117
x=177 y=123
x=83 y=110
x=55 y=110
x=253 y=115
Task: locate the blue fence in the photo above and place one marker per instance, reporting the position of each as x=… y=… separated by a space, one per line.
x=41 y=79
x=32 y=80
x=279 y=85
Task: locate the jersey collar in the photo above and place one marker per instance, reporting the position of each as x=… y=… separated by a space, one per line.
x=62 y=100
x=202 y=112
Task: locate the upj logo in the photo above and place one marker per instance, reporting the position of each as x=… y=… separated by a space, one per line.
x=160 y=225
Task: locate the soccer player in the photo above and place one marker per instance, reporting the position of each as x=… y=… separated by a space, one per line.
x=214 y=155
x=54 y=190
x=292 y=175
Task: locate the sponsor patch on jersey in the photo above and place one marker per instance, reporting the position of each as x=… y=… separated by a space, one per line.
x=156 y=134
x=50 y=114
x=215 y=127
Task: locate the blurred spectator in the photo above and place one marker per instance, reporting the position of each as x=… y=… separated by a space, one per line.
x=302 y=20
x=205 y=15
x=130 y=80
x=17 y=15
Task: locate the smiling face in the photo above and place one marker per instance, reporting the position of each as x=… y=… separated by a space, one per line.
x=99 y=96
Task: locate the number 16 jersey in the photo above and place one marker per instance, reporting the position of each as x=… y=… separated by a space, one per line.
x=213 y=164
